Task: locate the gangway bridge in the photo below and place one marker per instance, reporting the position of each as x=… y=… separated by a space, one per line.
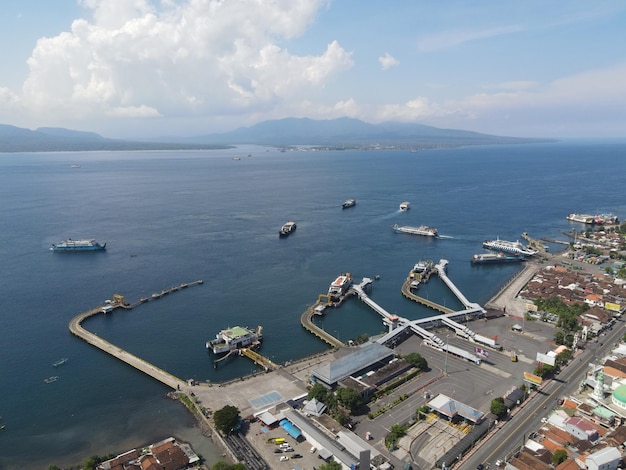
x=441 y=271
x=398 y=325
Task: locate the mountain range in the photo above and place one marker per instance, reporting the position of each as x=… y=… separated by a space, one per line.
x=335 y=133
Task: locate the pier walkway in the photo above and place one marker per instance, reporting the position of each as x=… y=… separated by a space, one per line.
x=441 y=271
x=306 y=319
x=76 y=328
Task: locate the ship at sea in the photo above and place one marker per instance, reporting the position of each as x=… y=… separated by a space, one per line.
x=339 y=286
x=512 y=248
x=488 y=258
x=60 y=362
x=234 y=338
x=287 y=229
x=348 y=203
x=78 y=245
x=405 y=206
x=421 y=230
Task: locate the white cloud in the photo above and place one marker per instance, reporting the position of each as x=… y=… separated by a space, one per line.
x=199 y=57
x=387 y=61
x=450 y=39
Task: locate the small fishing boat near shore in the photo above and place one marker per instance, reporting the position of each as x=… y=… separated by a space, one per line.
x=49 y=380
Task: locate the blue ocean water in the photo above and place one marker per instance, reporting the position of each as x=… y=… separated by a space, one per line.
x=173 y=217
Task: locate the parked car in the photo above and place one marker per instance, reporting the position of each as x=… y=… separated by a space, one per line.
x=284 y=458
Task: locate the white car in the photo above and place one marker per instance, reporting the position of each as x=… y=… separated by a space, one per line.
x=284 y=458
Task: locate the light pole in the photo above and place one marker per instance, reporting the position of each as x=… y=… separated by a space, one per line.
x=447 y=344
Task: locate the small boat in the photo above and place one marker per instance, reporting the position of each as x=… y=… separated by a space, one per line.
x=78 y=245
x=49 y=380
x=405 y=206
x=60 y=362
x=348 y=203
x=287 y=229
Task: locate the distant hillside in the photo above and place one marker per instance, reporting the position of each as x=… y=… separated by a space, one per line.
x=350 y=132
x=335 y=133
x=49 y=139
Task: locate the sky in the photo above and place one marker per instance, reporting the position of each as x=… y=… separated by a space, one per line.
x=153 y=68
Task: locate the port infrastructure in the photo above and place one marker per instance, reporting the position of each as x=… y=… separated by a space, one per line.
x=398 y=325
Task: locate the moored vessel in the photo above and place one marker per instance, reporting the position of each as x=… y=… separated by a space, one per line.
x=287 y=229
x=405 y=206
x=348 y=203
x=487 y=258
x=339 y=286
x=234 y=338
x=423 y=230
x=582 y=218
x=78 y=245
x=513 y=248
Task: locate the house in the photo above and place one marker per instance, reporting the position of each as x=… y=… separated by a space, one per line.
x=608 y=458
x=581 y=429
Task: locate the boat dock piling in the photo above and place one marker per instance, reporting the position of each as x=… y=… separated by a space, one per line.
x=264 y=362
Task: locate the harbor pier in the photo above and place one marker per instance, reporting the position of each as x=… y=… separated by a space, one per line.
x=76 y=328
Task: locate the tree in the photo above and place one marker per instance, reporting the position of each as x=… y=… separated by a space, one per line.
x=559 y=456
x=320 y=393
x=349 y=398
x=226 y=419
x=416 y=361
x=498 y=407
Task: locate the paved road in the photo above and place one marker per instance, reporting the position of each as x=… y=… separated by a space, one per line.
x=513 y=433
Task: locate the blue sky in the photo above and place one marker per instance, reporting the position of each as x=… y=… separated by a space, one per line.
x=147 y=68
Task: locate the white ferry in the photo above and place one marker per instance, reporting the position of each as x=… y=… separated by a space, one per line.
x=287 y=229
x=348 y=203
x=405 y=206
x=504 y=246
x=582 y=218
x=339 y=286
x=234 y=338
x=423 y=230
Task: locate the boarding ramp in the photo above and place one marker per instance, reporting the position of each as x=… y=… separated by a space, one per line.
x=388 y=318
x=441 y=271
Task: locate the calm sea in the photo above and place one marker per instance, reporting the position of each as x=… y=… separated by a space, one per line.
x=173 y=217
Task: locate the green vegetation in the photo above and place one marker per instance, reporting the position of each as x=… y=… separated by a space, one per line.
x=332 y=465
x=397 y=431
x=498 y=407
x=422 y=412
x=416 y=361
x=546 y=370
x=362 y=338
x=92 y=462
x=349 y=398
x=559 y=456
x=226 y=419
x=227 y=466
x=567 y=314
x=387 y=407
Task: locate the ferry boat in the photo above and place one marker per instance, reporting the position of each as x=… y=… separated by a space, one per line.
x=339 y=286
x=487 y=258
x=78 y=245
x=234 y=338
x=60 y=362
x=49 y=380
x=405 y=206
x=422 y=266
x=287 y=229
x=421 y=230
x=348 y=203
x=512 y=248
x=582 y=218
